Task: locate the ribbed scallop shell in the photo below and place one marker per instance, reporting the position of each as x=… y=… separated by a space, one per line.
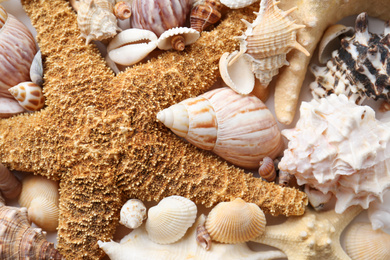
x=40 y=196
x=159 y=15
x=205 y=13
x=169 y=220
x=238 y=128
x=133 y=213
x=235 y=222
x=29 y=95
x=362 y=243
x=16 y=53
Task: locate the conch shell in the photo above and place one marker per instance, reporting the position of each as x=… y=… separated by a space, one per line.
x=238 y=128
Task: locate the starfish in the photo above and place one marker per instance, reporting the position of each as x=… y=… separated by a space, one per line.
x=99 y=137
x=315 y=235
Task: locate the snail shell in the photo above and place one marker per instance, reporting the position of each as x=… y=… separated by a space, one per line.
x=133 y=213
x=238 y=128
x=29 y=95
x=267 y=169
x=203 y=237
x=177 y=38
x=122 y=10
x=205 y=13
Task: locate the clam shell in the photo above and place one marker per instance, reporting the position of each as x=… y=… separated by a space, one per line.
x=133 y=213
x=237 y=4
x=235 y=222
x=29 y=95
x=169 y=220
x=189 y=37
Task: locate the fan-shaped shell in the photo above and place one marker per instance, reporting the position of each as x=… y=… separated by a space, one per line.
x=177 y=38
x=238 y=128
x=362 y=242
x=235 y=222
x=29 y=95
x=133 y=213
x=169 y=220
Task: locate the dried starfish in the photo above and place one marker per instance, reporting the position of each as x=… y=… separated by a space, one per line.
x=315 y=235
x=99 y=136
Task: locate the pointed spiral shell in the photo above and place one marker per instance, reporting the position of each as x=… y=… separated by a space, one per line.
x=29 y=95
x=133 y=213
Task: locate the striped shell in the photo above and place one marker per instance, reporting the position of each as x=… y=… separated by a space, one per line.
x=133 y=213
x=238 y=128
x=29 y=95
x=235 y=222
x=205 y=13
x=267 y=169
x=169 y=220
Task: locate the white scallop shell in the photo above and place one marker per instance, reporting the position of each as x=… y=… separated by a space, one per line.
x=131 y=46
x=29 y=95
x=169 y=220
x=236 y=4
x=133 y=213
x=190 y=36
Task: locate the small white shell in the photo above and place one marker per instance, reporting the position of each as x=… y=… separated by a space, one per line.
x=169 y=220
x=131 y=46
x=237 y=4
x=189 y=37
x=133 y=213
x=29 y=95
x=36 y=69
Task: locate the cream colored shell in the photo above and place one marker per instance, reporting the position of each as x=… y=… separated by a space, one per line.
x=236 y=4
x=29 y=95
x=189 y=36
x=235 y=222
x=133 y=213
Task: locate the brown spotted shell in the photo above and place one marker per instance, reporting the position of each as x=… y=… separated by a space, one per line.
x=205 y=13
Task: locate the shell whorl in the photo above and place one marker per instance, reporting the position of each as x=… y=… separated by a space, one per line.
x=205 y=13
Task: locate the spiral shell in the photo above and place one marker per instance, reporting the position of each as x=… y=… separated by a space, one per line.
x=205 y=13
x=16 y=53
x=267 y=169
x=203 y=237
x=159 y=15
x=177 y=38
x=10 y=186
x=133 y=213
x=40 y=196
x=169 y=220
x=238 y=128
x=29 y=95
x=122 y=10
x=235 y=222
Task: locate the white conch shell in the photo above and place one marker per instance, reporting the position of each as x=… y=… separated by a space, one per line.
x=379 y=213
x=29 y=95
x=169 y=220
x=41 y=197
x=235 y=222
x=131 y=46
x=238 y=128
x=339 y=147
x=36 y=69
x=137 y=246
x=237 y=4
x=362 y=242
x=189 y=36
x=133 y=213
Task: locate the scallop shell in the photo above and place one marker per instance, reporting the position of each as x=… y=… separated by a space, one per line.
x=237 y=4
x=205 y=13
x=133 y=213
x=238 y=128
x=10 y=186
x=40 y=196
x=29 y=95
x=362 y=242
x=235 y=222
x=16 y=53
x=131 y=46
x=177 y=38
x=169 y=220
x=122 y=10
x=159 y=15
x=36 y=69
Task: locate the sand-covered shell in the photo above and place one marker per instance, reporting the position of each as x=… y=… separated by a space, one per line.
x=205 y=13
x=359 y=69
x=10 y=186
x=235 y=222
x=16 y=53
x=96 y=19
x=40 y=196
x=36 y=69
x=238 y=128
x=133 y=213
x=362 y=242
x=169 y=220
x=29 y=95
x=122 y=10
x=177 y=38
x=159 y=15
x=237 y=4
x=339 y=147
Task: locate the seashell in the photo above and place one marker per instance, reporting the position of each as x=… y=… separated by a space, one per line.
x=235 y=222
x=379 y=213
x=238 y=128
x=317 y=199
x=203 y=237
x=29 y=95
x=384 y=107
x=359 y=68
x=205 y=13
x=10 y=186
x=362 y=242
x=267 y=169
x=131 y=46
x=237 y=4
x=36 y=69
x=284 y=178
x=169 y=220
x=122 y=10
x=177 y=38
x=166 y=14
x=16 y=53
x=96 y=20
x=10 y=107
x=339 y=147
x=40 y=196
x=19 y=240
x=133 y=213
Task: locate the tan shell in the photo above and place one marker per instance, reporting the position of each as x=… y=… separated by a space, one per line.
x=10 y=186
x=267 y=169
x=362 y=242
x=29 y=95
x=133 y=213
x=205 y=13
x=235 y=222
x=122 y=10
x=177 y=38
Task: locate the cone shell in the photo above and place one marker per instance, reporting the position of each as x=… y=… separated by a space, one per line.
x=29 y=95
x=40 y=196
x=238 y=128
x=133 y=213
x=362 y=242
x=169 y=220
x=235 y=222
x=205 y=13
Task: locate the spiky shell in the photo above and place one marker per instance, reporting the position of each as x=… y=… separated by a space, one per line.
x=359 y=69
x=16 y=53
x=169 y=220
x=362 y=242
x=205 y=13
x=238 y=128
x=236 y=4
x=10 y=186
x=167 y=41
x=235 y=222
x=133 y=213
x=29 y=95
